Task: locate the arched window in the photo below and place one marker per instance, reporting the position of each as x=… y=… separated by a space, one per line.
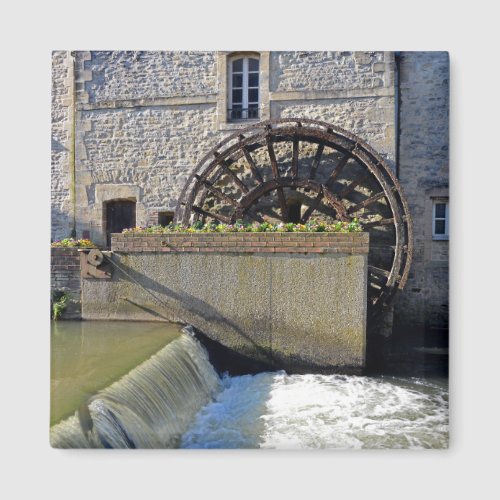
x=243 y=89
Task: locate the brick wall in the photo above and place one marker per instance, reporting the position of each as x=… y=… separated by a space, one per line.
x=345 y=243
x=65 y=277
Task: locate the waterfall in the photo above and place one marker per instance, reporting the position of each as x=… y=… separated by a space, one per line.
x=150 y=407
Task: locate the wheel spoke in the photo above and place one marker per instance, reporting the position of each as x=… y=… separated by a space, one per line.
x=382 y=272
x=316 y=161
x=283 y=205
x=378 y=270
x=365 y=203
x=336 y=204
x=295 y=157
x=250 y=161
x=338 y=168
x=252 y=165
x=353 y=185
x=219 y=217
x=276 y=175
x=312 y=207
x=272 y=157
x=217 y=192
x=380 y=222
x=237 y=180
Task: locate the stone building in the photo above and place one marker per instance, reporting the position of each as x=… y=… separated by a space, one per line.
x=128 y=128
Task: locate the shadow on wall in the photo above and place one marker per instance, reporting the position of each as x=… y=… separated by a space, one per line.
x=198 y=309
x=206 y=320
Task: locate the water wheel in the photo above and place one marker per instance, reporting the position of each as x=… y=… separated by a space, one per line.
x=297 y=170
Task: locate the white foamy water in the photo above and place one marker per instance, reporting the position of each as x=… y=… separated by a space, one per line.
x=276 y=410
x=175 y=398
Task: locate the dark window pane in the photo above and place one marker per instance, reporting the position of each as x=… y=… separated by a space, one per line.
x=439 y=228
x=253 y=65
x=235 y=113
x=237 y=106
x=253 y=111
x=238 y=65
x=238 y=80
x=253 y=79
x=238 y=95
x=440 y=210
x=165 y=218
x=253 y=95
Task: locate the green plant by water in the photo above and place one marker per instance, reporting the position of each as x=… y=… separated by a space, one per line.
x=59 y=304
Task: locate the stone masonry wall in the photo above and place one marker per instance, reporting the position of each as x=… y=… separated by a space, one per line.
x=371 y=118
x=423 y=172
x=149 y=148
x=145 y=119
x=354 y=90
x=326 y=70
x=61 y=145
x=120 y=75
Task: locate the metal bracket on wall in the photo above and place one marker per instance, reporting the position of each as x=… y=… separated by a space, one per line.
x=92 y=264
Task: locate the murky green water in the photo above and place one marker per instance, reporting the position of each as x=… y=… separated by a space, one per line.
x=87 y=356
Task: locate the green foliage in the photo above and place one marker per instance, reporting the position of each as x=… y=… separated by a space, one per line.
x=59 y=304
x=242 y=227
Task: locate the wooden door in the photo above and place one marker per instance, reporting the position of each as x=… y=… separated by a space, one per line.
x=120 y=214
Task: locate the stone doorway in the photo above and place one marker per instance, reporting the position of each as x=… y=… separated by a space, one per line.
x=119 y=214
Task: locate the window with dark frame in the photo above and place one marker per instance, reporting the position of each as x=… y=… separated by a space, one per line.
x=243 y=95
x=440 y=220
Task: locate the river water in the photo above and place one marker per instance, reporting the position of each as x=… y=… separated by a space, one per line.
x=89 y=355
x=147 y=385
x=276 y=410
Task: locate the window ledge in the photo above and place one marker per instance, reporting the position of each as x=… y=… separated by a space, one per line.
x=236 y=125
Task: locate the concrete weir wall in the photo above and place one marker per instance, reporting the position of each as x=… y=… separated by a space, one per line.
x=294 y=300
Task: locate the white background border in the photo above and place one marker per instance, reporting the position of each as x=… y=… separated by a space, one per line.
x=30 y=468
